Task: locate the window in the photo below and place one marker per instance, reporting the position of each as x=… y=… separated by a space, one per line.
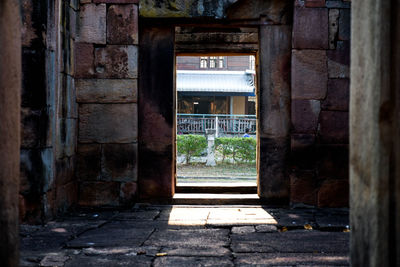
x=203 y=62
x=221 y=62
x=213 y=62
x=252 y=62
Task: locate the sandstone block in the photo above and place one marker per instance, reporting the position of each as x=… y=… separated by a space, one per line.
x=107 y=123
x=309 y=74
x=65 y=170
x=122 y=24
x=334 y=127
x=99 y=193
x=334 y=194
x=339 y=60
x=31 y=128
x=116 y=61
x=333 y=27
x=88 y=162
x=119 y=162
x=333 y=162
x=305 y=116
x=117 y=1
x=302 y=141
x=344 y=25
x=303 y=188
x=84 y=60
x=338 y=95
x=310 y=28
x=106 y=90
x=337 y=4
x=315 y=3
x=128 y=192
x=86 y=1
x=92 y=24
x=66 y=196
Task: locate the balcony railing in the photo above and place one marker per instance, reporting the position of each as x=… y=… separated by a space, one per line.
x=227 y=124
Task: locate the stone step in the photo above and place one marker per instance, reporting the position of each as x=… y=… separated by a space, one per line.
x=217 y=188
x=215 y=199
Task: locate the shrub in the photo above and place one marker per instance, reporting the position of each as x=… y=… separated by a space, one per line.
x=191 y=145
x=240 y=149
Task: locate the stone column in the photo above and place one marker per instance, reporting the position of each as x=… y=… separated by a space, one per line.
x=274 y=103
x=375 y=133
x=10 y=86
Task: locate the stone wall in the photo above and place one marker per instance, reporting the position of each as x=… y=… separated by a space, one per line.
x=320 y=103
x=106 y=54
x=48 y=109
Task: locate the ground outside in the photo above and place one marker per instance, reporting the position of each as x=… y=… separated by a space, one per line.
x=196 y=235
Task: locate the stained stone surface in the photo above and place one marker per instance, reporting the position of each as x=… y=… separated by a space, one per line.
x=160 y=236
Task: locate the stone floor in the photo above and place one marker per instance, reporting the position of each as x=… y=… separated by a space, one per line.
x=190 y=236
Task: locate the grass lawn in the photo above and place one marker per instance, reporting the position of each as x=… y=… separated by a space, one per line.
x=222 y=172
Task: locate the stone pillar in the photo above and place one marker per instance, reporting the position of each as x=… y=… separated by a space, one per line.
x=10 y=86
x=375 y=133
x=210 y=148
x=274 y=103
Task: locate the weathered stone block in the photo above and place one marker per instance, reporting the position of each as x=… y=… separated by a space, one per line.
x=88 y=162
x=66 y=196
x=31 y=129
x=339 y=60
x=70 y=106
x=65 y=170
x=99 y=193
x=84 y=60
x=106 y=90
x=333 y=27
x=337 y=4
x=117 y=1
x=344 y=25
x=92 y=24
x=119 y=162
x=309 y=74
x=86 y=1
x=338 y=95
x=310 y=28
x=333 y=162
x=107 y=123
x=334 y=127
x=128 y=192
x=315 y=3
x=305 y=115
x=116 y=61
x=303 y=187
x=301 y=141
x=122 y=24
x=334 y=194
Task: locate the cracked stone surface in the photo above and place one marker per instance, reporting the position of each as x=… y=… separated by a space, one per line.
x=190 y=236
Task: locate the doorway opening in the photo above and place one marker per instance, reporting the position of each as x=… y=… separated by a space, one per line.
x=216 y=121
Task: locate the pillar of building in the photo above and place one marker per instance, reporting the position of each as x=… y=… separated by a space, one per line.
x=10 y=86
x=375 y=133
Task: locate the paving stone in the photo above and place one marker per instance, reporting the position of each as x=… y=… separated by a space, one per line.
x=139 y=215
x=107 y=236
x=119 y=260
x=291 y=259
x=140 y=250
x=329 y=221
x=338 y=95
x=295 y=218
x=192 y=261
x=106 y=90
x=117 y=1
x=116 y=61
x=296 y=241
x=54 y=259
x=196 y=241
x=243 y=229
x=107 y=123
x=310 y=28
x=92 y=24
x=239 y=216
x=305 y=114
x=122 y=24
x=267 y=228
x=309 y=74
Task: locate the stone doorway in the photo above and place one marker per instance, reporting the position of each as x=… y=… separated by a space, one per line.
x=159 y=44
